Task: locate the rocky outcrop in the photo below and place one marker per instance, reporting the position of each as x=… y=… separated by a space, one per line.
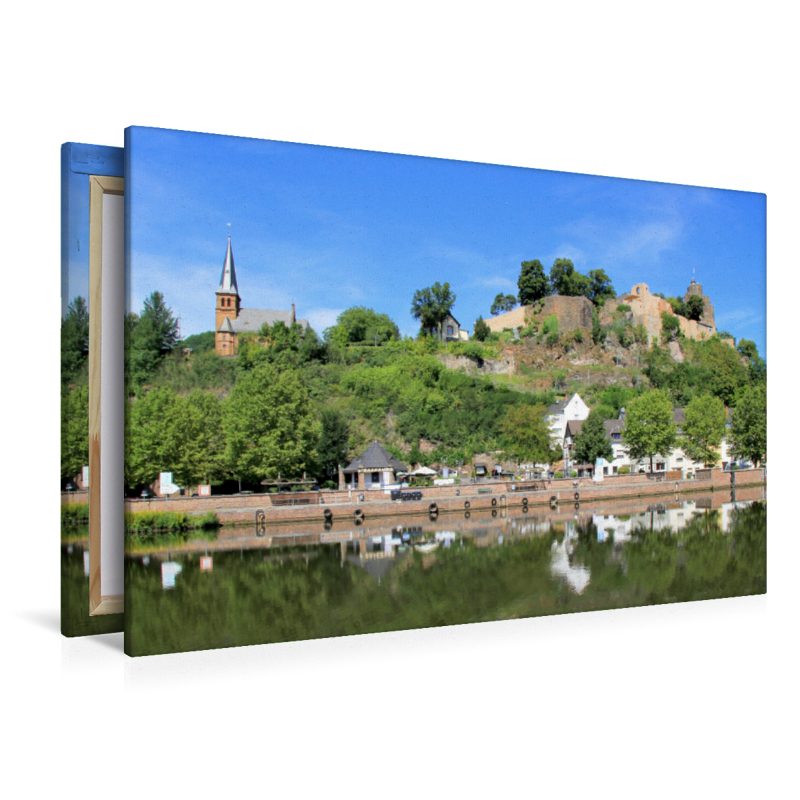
x=487 y=366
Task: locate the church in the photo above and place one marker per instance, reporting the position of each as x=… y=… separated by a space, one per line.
x=232 y=319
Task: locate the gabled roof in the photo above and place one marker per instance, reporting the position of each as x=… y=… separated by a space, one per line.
x=376 y=456
x=614 y=426
x=558 y=407
x=227 y=283
x=574 y=427
x=250 y=320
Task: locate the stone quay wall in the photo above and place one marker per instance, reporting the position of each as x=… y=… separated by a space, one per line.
x=300 y=506
x=347 y=532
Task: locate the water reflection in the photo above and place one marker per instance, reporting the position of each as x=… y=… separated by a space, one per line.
x=299 y=583
x=169 y=571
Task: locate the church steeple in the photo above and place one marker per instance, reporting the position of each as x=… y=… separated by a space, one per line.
x=227 y=283
x=228 y=306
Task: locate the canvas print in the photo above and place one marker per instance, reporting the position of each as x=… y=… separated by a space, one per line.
x=369 y=392
x=82 y=166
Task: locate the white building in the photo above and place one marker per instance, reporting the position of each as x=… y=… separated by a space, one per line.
x=559 y=414
x=677 y=459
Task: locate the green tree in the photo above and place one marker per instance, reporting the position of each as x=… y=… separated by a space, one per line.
x=566 y=280
x=362 y=325
x=151 y=445
x=151 y=336
x=600 y=288
x=197 y=440
x=200 y=343
x=502 y=304
x=481 y=330
x=747 y=348
x=695 y=306
x=592 y=443
x=270 y=425
x=74 y=430
x=431 y=307
x=533 y=284
x=74 y=339
x=526 y=435
x=649 y=426
x=334 y=439
x=757 y=371
x=749 y=425
x=678 y=306
x=703 y=428
x=725 y=375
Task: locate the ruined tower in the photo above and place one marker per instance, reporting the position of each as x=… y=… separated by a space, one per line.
x=696 y=290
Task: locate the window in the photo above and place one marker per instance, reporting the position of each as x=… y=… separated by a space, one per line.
x=376 y=477
x=449 y=330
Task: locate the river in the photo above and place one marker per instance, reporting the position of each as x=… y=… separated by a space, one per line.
x=254 y=586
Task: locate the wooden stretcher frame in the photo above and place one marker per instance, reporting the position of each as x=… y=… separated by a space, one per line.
x=99 y=185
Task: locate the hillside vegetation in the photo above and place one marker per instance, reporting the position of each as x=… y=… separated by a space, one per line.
x=292 y=403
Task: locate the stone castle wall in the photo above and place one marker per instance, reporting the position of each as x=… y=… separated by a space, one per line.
x=572 y=313
x=512 y=319
x=646 y=309
x=576 y=313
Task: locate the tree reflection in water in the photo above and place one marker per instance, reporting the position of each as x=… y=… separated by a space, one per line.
x=274 y=595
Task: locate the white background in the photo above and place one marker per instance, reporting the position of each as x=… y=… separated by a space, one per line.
x=697 y=700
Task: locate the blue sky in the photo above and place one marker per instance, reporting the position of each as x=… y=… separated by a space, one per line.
x=329 y=228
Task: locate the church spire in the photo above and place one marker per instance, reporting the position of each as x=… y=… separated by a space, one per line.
x=227 y=283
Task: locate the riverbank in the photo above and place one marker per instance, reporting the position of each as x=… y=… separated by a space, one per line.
x=307 y=507
x=272 y=509
x=471 y=522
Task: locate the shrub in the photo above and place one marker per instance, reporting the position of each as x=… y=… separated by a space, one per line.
x=623 y=471
x=473 y=350
x=531 y=329
x=577 y=335
x=75 y=514
x=558 y=475
x=573 y=473
x=552 y=338
x=550 y=325
x=598 y=331
x=145 y=522
x=480 y=330
x=623 y=308
x=670 y=326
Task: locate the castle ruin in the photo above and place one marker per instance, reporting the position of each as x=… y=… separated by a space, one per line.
x=576 y=313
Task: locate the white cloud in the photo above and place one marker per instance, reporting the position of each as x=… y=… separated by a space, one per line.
x=649 y=240
x=497 y=282
x=738 y=318
x=570 y=251
x=321 y=318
